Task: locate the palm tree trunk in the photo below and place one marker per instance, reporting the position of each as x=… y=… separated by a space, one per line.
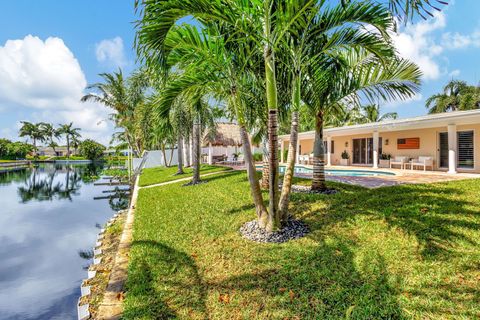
x=262 y=214
x=289 y=170
x=274 y=215
x=187 y=151
x=271 y=93
x=265 y=171
x=170 y=159
x=68 y=147
x=35 y=153
x=179 y=154
x=196 y=153
x=318 y=179
x=164 y=153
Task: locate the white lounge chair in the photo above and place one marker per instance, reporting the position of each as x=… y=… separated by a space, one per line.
x=400 y=161
x=422 y=162
x=230 y=160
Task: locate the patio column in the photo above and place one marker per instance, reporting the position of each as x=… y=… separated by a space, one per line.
x=282 y=150
x=452 y=148
x=329 y=151
x=210 y=154
x=375 y=149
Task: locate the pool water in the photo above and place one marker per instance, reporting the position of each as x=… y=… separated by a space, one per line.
x=337 y=172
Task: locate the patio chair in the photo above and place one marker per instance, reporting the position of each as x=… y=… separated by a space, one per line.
x=230 y=160
x=422 y=161
x=399 y=160
x=302 y=159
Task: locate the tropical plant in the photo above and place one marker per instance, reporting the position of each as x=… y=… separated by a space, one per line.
x=70 y=133
x=34 y=131
x=91 y=149
x=345 y=155
x=457 y=95
x=372 y=113
x=14 y=150
x=123 y=96
x=50 y=134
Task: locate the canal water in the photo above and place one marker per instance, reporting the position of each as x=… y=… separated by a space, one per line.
x=48 y=224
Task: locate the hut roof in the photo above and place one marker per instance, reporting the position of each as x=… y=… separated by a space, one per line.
x=225 y=134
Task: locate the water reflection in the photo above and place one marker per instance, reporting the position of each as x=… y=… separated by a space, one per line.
x=47 y=215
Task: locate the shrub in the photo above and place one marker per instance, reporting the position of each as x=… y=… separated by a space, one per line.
x=257 y=156
x=91 y=150
x=345 y=155
x=14 y=150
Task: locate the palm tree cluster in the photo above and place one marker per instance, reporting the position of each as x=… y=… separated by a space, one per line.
x=260 y=63
x=46 y=132
x=456 y=96
x=266 y=63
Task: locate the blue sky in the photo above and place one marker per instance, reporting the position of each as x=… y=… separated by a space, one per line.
x=50 y=49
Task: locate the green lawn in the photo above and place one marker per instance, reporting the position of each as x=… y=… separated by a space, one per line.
x=410 y=251
x=163 y=174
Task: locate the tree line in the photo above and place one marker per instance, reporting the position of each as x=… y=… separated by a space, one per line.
x=46 y=132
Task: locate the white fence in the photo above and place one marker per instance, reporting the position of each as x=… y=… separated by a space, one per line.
x=154 y=158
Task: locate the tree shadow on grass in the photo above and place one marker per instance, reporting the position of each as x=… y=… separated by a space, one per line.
x=434 y=218
x=162 y=281
x=322 y=283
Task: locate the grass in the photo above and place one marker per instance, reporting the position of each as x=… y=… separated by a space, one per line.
x=402 y=252
x=164 y=174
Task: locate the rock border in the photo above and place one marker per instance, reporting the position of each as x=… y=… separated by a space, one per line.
x=83 y=307
x=293 y=229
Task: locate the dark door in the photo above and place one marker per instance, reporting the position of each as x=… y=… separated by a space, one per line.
x=443 y=150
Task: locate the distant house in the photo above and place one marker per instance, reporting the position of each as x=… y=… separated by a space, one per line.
x=60 y=151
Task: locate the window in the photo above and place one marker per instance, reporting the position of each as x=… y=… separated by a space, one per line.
x=465 y=156
x=332 y=147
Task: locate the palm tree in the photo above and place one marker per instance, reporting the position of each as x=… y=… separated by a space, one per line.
x=263 y=22
x=362 y=77
x=372 y=113
x=75 y=142
x=70 y=133
x=51 y=133
x=457 y=95
x=34 y=131
x=123 y=96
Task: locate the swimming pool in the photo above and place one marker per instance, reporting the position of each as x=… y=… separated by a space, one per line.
x=338 y=172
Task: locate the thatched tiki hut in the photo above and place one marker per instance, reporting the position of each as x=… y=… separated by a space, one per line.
x=222 y=143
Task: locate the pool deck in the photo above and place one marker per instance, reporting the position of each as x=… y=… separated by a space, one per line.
x=400 y=177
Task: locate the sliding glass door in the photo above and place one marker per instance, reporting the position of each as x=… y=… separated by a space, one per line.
x=363 y=150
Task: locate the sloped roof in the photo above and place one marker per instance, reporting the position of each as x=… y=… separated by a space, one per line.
x=225 y=134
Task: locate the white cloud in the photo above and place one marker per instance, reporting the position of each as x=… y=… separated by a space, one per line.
x=394 y=105
x=110 y=51
x=459 y=41
x=416 y=43
x=455 y=73
x=45 y=79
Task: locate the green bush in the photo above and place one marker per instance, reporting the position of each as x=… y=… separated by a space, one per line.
x=14 y=150
x=91 y=149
